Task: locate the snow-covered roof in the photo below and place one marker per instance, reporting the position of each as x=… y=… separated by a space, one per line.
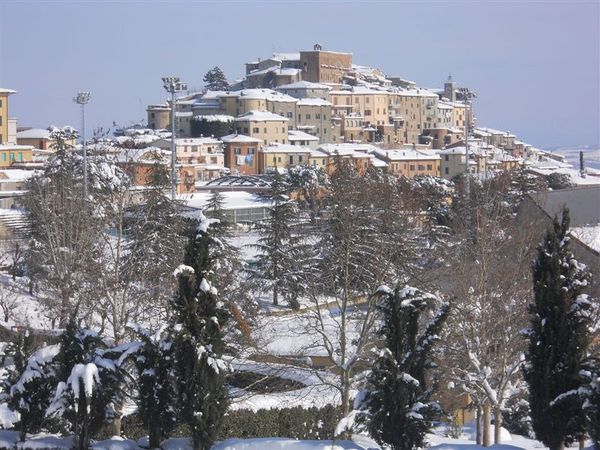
x=15 y=147
x=262 y=94
x=239 y=138
x=7 y=91
x=313 y=102
x=348 y=149
x=147 y=155
x=404 y=155
x=285 y=148
x=34 y=133
x=260 y=116
x=588 y=235
x=231 y=200
x=16 y=174
x=214 y=117
x=291 y=56
x=195 y=141
x=304 y=85
x=297 y=135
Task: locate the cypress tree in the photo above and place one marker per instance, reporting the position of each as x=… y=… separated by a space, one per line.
x=399 y=401
x=559 y=339
x=154 y=365
x=197 y=323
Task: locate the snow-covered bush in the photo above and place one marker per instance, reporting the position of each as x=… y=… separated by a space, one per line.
x=89 y=383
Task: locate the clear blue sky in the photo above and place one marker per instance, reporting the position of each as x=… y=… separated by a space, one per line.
x=534 y=64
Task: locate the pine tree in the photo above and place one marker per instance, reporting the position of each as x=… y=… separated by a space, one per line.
x=90 y=383
x=399 y=403
x=156 y=395
x=197 y=323
x=215 y=80
x=279 y=250
x=559 y=339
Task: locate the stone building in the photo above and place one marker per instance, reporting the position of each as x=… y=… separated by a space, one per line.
x=320 y=66
x=270 y=128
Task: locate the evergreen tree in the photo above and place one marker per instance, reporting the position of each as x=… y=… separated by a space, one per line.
x=559 y=339
x=399 y=403
x=215 y=80
x=197 y=323
x=279 y=250
x=590 y=393
x=30 y=384
x=154 y=366
x=156 y=244
x=90 y=383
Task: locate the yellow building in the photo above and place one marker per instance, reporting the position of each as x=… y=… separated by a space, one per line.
x=282 y=156
x=14 y=154
x=410 y=163
x=268 y=127
x=4 y=93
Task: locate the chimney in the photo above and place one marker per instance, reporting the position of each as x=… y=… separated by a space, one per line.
x=581 y=166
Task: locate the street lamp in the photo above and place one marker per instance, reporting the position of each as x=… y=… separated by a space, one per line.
x=467 y=96
x=173 y=85
x=82 y=98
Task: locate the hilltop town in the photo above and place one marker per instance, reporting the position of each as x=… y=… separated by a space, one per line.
x=319 y=255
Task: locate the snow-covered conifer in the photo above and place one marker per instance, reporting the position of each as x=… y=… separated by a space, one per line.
x=398 y=402
x=155 y=371
x=559 y=338
x=90 y=382
x=198 y=319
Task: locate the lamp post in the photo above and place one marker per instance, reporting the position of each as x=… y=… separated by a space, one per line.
x=173 y=85
x=82 y=98
x=467 y=95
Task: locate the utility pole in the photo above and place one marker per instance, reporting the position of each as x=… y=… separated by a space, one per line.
x=82 y=98
x=467 y=95
x=173 y=85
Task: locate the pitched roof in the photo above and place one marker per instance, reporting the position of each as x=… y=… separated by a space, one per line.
x=239 y=138
x=260 y=116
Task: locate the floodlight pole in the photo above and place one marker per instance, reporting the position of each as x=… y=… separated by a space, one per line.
x=173 y=85
x=82 y=99
x=467 y=96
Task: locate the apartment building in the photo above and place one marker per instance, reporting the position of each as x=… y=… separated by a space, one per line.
x=241 y=154
x=282 y=156
x=201 y=158
x=313 y=116
x=270 y=128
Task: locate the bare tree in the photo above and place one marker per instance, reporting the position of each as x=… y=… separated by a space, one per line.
x=490 y=279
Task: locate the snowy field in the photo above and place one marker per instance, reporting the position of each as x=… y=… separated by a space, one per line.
x=436 y=440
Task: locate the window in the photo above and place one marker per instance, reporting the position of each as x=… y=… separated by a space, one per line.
x=300 y=158
x=12 y=156
x=237 y=151
x=251 y=150
x=195 y=149
x=290 y=115
x=283 y=130
x=255 y=130
x=291 y=159
x=3 y=156
x=0 y=103
x=317 y=116
x=356 y=100
x=308 y=117
x=151 y=114
x=279 y=159
x=245 y=130
x=429 y=167
x=274 y=159
x=446 y=157
x=265 y=130
x=421 y=167
x=324 y=116
x=412 y=167
x=20 y=156
x=367 y=112
x=213 y=160
x=447 y=171
x=324 y=130
x=367 y=99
